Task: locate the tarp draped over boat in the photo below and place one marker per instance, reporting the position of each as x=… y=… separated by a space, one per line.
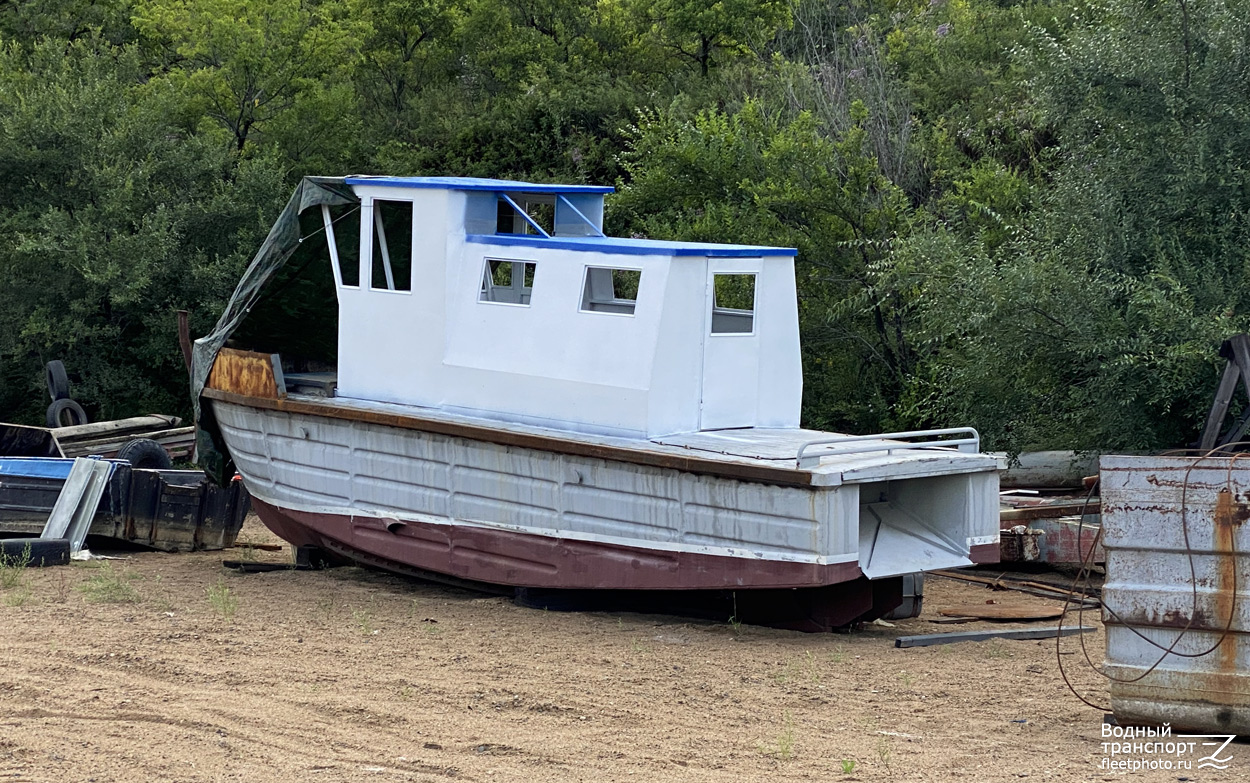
x=282 y=242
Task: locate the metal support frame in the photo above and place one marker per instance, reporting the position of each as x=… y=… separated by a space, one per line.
x=1236 y=350
x=578 y=212
x=525 y=215
x=869 y=443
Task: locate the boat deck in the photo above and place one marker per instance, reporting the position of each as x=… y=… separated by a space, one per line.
x=750 y=454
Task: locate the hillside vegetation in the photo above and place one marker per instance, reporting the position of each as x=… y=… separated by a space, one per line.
x=1029 y=217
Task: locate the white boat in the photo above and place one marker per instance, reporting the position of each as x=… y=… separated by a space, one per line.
x=521 y=400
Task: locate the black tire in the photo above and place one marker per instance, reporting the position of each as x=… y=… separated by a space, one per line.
x=34 y=552
x=66 y=413
x=58 y=381
x=145 y=453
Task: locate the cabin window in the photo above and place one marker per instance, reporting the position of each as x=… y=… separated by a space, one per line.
x=519 y=214
x=610 y=290
x=733 y=304
x=507 y=282
x=343 y=237
x=392 y=246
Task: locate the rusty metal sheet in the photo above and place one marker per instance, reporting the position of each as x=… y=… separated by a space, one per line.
x=1178 y=578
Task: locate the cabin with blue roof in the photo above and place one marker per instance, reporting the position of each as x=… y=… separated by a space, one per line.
x=505 y=300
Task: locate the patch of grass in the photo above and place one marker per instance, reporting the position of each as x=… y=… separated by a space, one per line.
x=884 y=751
x=783 y=746
x=848 y=766
x=13 y=568
x=639 y=647
x=364 y=620
x=109 y=586
x=813 y=671
x=223 y=601
x=907 y=678
x=326 y=606
x=838 y=655
x=17 y=597
x=995 y=649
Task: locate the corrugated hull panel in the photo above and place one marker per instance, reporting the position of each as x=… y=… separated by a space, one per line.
x=404 y=494
x=1178 y=565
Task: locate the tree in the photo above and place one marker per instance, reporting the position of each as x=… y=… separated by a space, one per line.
x=696 y=29
x=249 y=61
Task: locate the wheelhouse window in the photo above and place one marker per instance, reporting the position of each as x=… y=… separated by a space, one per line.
x=521 y=214
x=392 y=246
x=343 y=238
x=609 y=290
x=733 y=304
x=507 y=282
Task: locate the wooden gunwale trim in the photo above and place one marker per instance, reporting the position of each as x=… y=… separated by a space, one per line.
x=755 y=473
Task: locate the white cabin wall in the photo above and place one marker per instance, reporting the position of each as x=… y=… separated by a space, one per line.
x=677 y=372
x=549 y=362
x=781 y=362
x=390 y=342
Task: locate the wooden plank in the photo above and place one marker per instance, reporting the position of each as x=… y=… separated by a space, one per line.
x=1049 y=511
x=248 y=373
x=790 y=477
x=996 y=612
x=104 y=429
x=951 y=637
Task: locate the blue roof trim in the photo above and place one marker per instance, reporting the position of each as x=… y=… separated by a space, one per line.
x=632 y=247
x=474 y=183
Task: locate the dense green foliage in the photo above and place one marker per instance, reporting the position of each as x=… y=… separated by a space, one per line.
x=1031 y=216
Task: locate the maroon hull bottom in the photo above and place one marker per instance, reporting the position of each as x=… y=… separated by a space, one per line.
x=518 y=560
x=983 y=554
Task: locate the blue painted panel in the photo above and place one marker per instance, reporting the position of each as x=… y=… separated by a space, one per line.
x=632 y=247
x=36 y=467
x=473 y=183
x=41 y=467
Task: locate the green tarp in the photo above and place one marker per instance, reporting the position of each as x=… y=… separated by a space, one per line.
x=279 y=246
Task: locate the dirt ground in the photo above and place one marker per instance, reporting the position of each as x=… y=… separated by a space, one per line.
x=168 y=667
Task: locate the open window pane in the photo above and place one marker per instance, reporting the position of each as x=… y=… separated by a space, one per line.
x=392 y=245
x=733 y=304
x=507 y=282
x=346 y=232
x=610 y=290
x=540 y=209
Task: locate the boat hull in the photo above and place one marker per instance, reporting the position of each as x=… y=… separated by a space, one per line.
x=405 y=498
x=504 y=557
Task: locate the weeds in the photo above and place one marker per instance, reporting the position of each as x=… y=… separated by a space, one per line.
x=108 y=586
x=848 y=766
x=62 y=586
x=784 y=743
x=18 y=597
x=365 y=621
x=884 y=750
x=224 y=602
x=995 y=649
x=13 y=568
x=838 y=655
x=907 y=678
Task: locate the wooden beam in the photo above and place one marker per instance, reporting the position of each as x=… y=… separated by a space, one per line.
x=1050 y=511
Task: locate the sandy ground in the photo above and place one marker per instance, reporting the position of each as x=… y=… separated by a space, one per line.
x=167 y=667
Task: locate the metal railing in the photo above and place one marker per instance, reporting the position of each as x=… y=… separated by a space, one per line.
x=971 y=443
